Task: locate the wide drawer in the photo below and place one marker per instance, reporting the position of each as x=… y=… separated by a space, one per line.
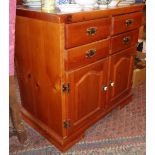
x=126 y=22
x=83 y=55
x=123 y=41
x=85 y=32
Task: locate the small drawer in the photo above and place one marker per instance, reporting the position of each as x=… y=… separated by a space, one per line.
x=123 y=41
x=86 y=32
x=83 y=55
x=126 y=22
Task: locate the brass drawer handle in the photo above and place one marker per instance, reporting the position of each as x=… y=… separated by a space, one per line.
x=90 y=53
x=126 y=39
x=91 y=31
x=129 y=22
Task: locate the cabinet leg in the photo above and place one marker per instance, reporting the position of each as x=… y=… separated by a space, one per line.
x=18 y=128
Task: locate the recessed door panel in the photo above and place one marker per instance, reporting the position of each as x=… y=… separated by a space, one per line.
x=120 y=80
x=86 y=98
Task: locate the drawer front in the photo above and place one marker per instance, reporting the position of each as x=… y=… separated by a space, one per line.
x=123 y=41
x=86 y=54
x=85 y=32
x=126 y=22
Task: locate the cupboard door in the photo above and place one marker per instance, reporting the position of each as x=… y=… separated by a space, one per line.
x=86 y=98
x=120 y=80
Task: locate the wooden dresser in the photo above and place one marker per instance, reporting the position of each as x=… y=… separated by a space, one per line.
x=74 y=68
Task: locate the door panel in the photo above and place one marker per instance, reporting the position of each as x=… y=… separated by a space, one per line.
x=120 y=80
x=86 y=98
x=120 y=75
x=91 y=99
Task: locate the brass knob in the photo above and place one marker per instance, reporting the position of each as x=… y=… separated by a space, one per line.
x=104 y=88
x=90 y=53
x=91 y=31
x=129 y=22
x=112 y=83
x=126 y=39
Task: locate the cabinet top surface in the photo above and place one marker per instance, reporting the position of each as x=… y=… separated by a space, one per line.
x=57 y=16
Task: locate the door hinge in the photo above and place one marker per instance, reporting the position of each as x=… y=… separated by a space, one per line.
x=66 y=87
x=67 y=124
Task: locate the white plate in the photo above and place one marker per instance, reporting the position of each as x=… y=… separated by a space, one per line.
x=69 y=7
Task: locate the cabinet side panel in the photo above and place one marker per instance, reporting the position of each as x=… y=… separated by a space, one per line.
x=38 y=65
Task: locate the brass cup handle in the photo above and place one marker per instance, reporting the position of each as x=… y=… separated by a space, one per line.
x=126 y=39
x=90 y=53
x=129 y=22
x=104 y=88
x=91 y=31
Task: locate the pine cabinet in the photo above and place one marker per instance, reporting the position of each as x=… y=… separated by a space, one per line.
x=74 y=68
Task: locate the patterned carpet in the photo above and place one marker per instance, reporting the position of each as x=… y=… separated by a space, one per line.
x=122 y=132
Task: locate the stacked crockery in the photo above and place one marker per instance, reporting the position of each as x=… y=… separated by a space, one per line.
x=68 y=6
x=104 y=3
x=32 y=3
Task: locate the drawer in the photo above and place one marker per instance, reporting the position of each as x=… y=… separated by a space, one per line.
x=123 y=41
x=83 y=55
x=126 y=22
x=85 y=32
